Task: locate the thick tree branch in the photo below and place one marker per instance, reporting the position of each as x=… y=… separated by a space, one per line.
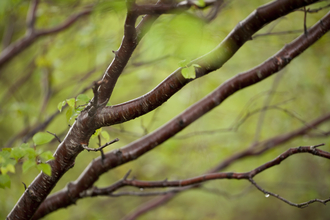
x=210 y=62
x=132 y=36
x=147 y=143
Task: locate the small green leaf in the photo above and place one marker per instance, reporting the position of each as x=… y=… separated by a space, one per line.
x=5 y=155
x=60 y=105
x=25 y=145
x=30 y=153
x=71 y=102
x=96 y=133
x=42 y=138
x=82 y=98
x=200 y=3
x=27 y=165
x=196 y=65
x=105 y=135
x=47 y=155
x=7 y=149
x=8 y=168
x=189 y=72
x=68 y=114
x=45 y=167
x=17 y=153
x=183 y=63
x=4 y=181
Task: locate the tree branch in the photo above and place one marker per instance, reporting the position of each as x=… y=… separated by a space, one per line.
x=32 y=34
x=148 y=142
x=210 y=62
x=109 y=191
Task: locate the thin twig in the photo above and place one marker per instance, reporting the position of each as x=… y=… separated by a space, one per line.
x=58 y=139
x=99 y=148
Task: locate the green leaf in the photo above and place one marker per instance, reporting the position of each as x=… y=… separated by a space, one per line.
x=82 y=98
x=105 y=135
x=97 y=132
x=200 y=3
x=30 y=153
x=8 y=168
x=184 y=63
x=189 y=72
x=27 y=165
x=47 y=155
x=17 y=153
x=45 y=167
x=5 y=155
x=68 y=114
x=42 y=138
x=60 y=105
x=7 y=149
x=71 y=102
x=4 y=181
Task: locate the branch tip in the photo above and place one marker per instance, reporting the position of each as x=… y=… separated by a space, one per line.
x=57 y=138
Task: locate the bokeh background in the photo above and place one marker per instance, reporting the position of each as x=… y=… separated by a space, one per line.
x=61 y=66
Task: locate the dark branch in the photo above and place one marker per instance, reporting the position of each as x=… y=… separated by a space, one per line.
x=108 y=191
x=147 y=143
x=17 y=47
x=100 y=148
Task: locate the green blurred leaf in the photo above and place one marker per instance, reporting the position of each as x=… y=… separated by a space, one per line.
x=7 y=149
x=5 y=155
x=68 y=114
x=71 y=102
x=47 y=155
x=30 y=153
x=45 y=167
x=97 y=132
x=60 y=105
x=8 y=168
x=42 y=138
x=200 y=3
x=4 y=181
x=184 y=63
x=27 y=165
x=105 y=135
x=17 y=153
x=82 y=98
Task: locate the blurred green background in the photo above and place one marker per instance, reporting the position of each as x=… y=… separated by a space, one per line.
x=60 y=66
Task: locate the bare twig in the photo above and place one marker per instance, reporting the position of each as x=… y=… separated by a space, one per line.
x=31 y=16
x=108 y=191
x=57 y=138
x=100 y=148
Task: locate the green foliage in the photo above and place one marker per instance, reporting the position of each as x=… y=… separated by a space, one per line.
x=75 y=106
x=45 y=167
x=30 y=157
x=188 y=71
x=41 y=138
